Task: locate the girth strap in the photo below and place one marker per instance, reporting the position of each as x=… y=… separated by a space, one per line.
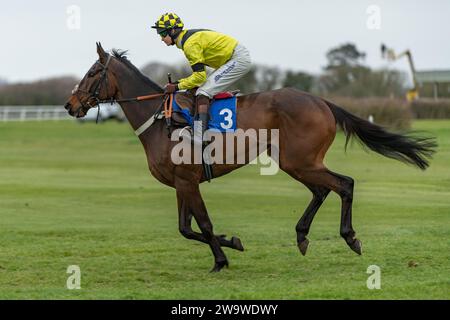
x=166 y=113
x=147 y=124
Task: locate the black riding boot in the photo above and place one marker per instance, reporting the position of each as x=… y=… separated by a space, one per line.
x=203 y=119
x=202 y=106
x=202 y=126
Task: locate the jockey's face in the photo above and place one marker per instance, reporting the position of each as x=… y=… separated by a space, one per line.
x=167 y=40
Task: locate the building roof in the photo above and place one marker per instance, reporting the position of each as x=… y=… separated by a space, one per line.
x=433 y=76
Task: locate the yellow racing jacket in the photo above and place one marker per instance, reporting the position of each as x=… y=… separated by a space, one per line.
x=203 y=48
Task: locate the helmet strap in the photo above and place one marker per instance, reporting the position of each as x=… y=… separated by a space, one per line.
x=175 y=35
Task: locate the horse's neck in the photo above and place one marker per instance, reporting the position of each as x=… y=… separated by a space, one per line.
x=137 y=112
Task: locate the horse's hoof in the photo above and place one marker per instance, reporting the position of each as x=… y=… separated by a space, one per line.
x=356 y=246
x=237 y=244
x=219 y=265
x=303 y=246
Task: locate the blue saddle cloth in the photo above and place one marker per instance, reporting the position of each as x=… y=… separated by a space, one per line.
x=222 y=114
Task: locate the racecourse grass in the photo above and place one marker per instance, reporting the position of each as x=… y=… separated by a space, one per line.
x=81 y=194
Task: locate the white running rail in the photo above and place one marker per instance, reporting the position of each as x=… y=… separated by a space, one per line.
x=33 y=113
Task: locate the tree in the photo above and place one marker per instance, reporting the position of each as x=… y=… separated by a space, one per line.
x=299 y=80
x=346 y=75
x=268 y=78
x=346 y=55
x=52 y=91
x=344 y=67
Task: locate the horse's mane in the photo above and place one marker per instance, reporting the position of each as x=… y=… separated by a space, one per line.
x=121 y=55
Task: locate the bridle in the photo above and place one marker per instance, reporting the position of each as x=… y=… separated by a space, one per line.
x=94 y=94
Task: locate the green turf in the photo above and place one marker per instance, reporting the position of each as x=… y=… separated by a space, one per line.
x=81 y=194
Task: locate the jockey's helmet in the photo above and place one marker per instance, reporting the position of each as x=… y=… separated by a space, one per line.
x=167 y=22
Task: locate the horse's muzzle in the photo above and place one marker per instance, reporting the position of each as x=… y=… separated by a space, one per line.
x=68 y=107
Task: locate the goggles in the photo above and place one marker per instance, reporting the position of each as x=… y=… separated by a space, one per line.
x=162 y=32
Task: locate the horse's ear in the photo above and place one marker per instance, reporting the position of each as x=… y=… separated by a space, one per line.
x=101 y=53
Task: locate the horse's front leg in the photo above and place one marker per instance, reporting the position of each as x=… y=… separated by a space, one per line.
x=190 y=203
x=185 y=219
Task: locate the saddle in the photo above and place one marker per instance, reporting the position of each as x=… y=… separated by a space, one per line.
x=186 y=101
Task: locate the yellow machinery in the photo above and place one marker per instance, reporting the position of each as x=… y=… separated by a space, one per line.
x=390 y=55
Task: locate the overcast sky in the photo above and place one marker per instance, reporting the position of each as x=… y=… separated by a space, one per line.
x=41 y=39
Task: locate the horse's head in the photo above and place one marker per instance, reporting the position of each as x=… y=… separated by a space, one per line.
x=97 y=84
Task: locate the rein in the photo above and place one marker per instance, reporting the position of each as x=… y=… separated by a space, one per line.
x=166 y=113
x=135 y=99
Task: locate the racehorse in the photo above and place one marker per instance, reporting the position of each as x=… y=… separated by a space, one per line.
x=307 y=127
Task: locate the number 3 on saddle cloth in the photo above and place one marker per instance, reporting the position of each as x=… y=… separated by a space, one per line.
x=222 y=111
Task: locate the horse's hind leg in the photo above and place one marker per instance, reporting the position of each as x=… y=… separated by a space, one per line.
x=304 y=224
x=343 y=186
x=345 y=191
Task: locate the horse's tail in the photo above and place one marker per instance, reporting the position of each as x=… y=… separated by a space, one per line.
x=403 y=147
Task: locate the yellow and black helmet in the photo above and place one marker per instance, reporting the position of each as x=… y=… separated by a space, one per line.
x=168 y=21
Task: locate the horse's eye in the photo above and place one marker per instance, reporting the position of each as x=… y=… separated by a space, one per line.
x=92 y=72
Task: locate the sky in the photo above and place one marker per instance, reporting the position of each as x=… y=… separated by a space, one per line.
x=45 y=38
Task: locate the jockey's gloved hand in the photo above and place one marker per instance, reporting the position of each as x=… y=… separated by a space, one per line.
x=171 y=88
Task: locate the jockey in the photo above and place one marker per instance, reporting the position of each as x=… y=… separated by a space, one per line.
x=230 y=59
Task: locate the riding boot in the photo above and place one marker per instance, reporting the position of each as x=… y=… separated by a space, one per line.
x=203 y=118
x=202 y=106
x=199 y=132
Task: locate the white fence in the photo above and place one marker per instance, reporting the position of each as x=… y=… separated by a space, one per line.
x=33 y=113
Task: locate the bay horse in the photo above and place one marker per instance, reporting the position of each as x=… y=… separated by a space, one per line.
x=307 y=127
